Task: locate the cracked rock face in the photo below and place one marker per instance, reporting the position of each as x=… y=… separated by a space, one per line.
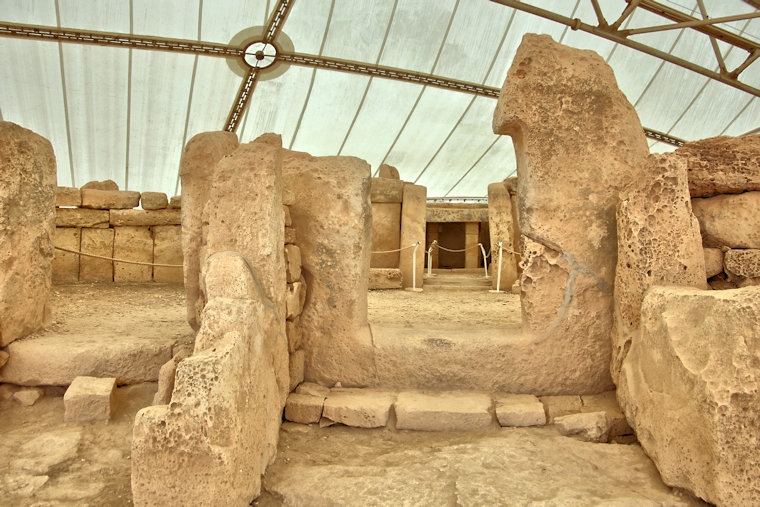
x=555 y=103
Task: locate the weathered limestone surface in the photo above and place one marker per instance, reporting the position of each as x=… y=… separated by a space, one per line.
x=386 y=190
x=413 y=231
x=607 y=402
x=167 y=249
x=743 y=263
x=501 y=229
x=296 y=368
x=360 y=408
x=199 y=159
x=722 y=165
x=729 y=220
x=132 y=244
x=27 y=226
x=517 y=410
x=558 y=406
x=153 y=200
x=220 y=431
x=387 y=171
x=295 y=333
x=590 y=426
x=68 y=196
x=385 y=278
x=689 y=387
x=131 y=360
x=386 y=228
x=66 y=264
x=110 y=185
x=653 y=211
x=96 y=242
x=28 y=396
x=292 y=263
x=78 y=217
x=568 y=191
x=109 y=199
x=304 y=408
x=89 y=399
x=446 y=411
x=444 y=212
x=331 y=205
x=175 y=202
x=139 y=217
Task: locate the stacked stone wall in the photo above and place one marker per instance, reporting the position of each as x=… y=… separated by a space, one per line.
x=104 y=222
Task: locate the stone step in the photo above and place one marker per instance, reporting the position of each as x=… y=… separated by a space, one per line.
x=56 y=360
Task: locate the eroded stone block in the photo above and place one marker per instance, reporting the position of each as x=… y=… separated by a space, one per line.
x=133 y=244
x=729 y=220
x=109 y=199
x=153 y=200
x=67 y=196
x=89 y=399
x=304 y=408
x=447 y=411
x=360 y=408
x=66 y=264
x=590 y=426
x=167 y=249
x=519 y=410
x=78 y=217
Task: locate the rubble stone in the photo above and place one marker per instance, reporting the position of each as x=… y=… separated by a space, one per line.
x=568 y=192
x=27 y=226
x=28 y=396
x=607 y=402
x=590 y=426
x=652 y=211
x=153 y=200
x=78 y=217
x=722 y=165
x=109 y=199
x=689 y=388
x=447 y=411
x=68 y=196
x=385 y=278
x=304 y=408
x=132 y=244
x=360 y=408
x=89 y=399
x=743 y=263
x=295 y=299
x=516 y=410
x=729 y=220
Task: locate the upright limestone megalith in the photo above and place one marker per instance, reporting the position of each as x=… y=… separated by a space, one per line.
x=333 y=217
x=199 y=159
x=27 y=226
x=578 y=142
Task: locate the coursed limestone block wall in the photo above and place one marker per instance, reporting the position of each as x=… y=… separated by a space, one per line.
x=101 y=220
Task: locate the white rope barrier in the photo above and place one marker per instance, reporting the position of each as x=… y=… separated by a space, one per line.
x=119 y=260
x=396 y=250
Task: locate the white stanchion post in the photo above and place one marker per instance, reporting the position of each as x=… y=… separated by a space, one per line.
x=498 y=273
x=430 y=258
x=485 y=263
x=414 y=288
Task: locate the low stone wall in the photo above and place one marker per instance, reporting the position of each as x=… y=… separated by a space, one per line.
x=103 y=222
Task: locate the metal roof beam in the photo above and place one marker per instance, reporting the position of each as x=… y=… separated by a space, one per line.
x=696 y=23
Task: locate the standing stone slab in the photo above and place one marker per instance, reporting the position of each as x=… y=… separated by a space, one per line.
x=689 y=387
x=96 y=242
x=132 y=244
x=722 y=165
x=331 y=211
x=386 y=229
x=66 y=264
x=501 y=230
x=446 y=411
x=27 y=226
x=653 y=211
x=413 y=231
x=729 y=220
x=567 y=193
x=199 y=159
x=167 y=249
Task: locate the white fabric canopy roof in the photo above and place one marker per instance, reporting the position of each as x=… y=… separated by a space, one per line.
x=116 y=110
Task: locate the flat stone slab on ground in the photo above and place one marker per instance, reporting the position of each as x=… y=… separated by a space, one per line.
x=304 y=408
x=361 y=408
x=450 y=411
x=519 y=410
x=89 y=399
x=56 y=360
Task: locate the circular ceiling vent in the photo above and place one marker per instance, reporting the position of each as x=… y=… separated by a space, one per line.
x=258 y=54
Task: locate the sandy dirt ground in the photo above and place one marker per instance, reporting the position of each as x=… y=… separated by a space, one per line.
x=48 y=462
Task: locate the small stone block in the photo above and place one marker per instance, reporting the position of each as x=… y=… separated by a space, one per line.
x=359 y=408
x=385 y=278
x=304 y=408
x=313 y=389
x=153 y=200
x=589 y=426
x=607 y=402
x=109 y=199
x=67 y=196
x=292 y=263
x=288 y=197
x=295 y=299
x=89 y=399
x=288 y=218
x=443 y=411
x=290 y=235
x=101 y=185
x=517 y=410
x=296 y=363
x=294 y=333
x=175 y=202
x=29 y=396
x=556 y=406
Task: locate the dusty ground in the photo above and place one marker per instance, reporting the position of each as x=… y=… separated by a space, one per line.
x=47 y=462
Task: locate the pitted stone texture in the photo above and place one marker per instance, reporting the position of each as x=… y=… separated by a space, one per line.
x=446 y=411
x=589 y=426
x=109 y=199
x=652 y=212
x=568 y=192
x=153 y=200
x=220 y=430
x=713 y=261
x=130 y=359
x=333 y=217
x=385 y=278
x=501 y=228
x=729 y=220
x=89 y=399
x=722 y=165
x=304 y=408
x=517 y=410
x=166 y=377
x=743 y=263
x=27 y=226
x=689 y=387
x=199 y=160
x=360 y=408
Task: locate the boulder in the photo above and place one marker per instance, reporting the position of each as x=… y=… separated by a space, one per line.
x=27 y=226
x=199 y=159
x=689 y=387
x=722 y=165
x=731 y=221
x=332 y=213
x=568 y=190
x=652 y=211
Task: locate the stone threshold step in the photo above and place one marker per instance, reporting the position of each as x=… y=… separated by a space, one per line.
x=595 y=418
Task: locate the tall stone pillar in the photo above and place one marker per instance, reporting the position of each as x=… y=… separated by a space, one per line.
x=412 y=231
x=471 y=237
x=501 y=229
